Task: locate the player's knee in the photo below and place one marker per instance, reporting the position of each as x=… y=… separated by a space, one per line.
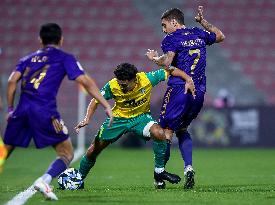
x=181 y=131
x=157 y=133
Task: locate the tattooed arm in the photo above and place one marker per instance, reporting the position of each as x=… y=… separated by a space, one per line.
x=160 y=61
x=208 y=26
x=163 y=60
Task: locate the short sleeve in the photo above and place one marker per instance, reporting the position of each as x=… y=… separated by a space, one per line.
x=73 y=67
x=106 y=92
x=168 y=44
x=208 y=37
x=157 y=76
x=21 y=66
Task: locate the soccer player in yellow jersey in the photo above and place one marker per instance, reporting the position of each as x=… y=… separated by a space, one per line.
x=131 y=91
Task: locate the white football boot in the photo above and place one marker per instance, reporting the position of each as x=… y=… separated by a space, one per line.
x=45 y=189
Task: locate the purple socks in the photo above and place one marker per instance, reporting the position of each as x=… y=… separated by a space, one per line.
x=56 y=168
x=185 y=146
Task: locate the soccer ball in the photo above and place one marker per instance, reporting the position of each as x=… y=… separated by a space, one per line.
x=70 y=179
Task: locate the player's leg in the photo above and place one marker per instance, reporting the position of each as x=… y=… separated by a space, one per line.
x=185 y=146
x=185 y=140
x=145 y=126
x=169 y=135
x=48 y=129
x=171 y=112
x=88 y=160
x=104 y=137
x=64 y=151
x=165 y=118
x=160 y=148
x=65 y=154
x=17 y=133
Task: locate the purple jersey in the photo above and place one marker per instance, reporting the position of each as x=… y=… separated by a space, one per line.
x=189 y=45
x=44 y=70
x=36 y=112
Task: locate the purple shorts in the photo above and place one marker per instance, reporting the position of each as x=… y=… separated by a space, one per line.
x=31 y=120
x=179 y=109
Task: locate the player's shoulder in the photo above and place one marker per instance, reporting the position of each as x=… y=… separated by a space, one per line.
x=194 y=29
x=141 y=73
x=148 y=76
x=29 y=56
x=58 y=53
x=113 y=86
x=142 y=76
x=64 y=54
x=197 y=30
x=168 y=37
x=112 y=81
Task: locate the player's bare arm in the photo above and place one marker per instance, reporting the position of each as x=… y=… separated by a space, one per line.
x=163 y=60
x=91 y=87
x=89 y=113
x=208 y=26
x=11 y=89
x=189 y=85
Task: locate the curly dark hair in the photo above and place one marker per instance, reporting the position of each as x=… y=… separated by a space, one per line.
x=125 y=71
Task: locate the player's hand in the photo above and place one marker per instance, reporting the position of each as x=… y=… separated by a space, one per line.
x=190 y=86
x=152 y=54
x=109 y=113
x=83 y=123
x=9 y=114
x=199 y=16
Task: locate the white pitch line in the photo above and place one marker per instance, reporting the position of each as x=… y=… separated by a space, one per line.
x=23 y=196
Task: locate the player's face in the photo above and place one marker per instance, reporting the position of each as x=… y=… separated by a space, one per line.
x=167 y=26
x=127 y=85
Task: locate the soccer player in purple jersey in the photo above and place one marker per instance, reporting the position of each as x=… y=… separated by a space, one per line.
x=184 y=48
x=36 y=116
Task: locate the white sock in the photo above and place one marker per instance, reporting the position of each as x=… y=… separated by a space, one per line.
x=188 y=168
x=47 y=178
x=159 y=170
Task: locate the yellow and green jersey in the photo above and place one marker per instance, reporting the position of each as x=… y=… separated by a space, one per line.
x=137 y=101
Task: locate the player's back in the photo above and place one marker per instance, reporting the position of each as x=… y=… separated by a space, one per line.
x=189 y=44
x=43 y=72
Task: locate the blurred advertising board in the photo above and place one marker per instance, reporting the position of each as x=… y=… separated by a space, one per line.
x=234 y=127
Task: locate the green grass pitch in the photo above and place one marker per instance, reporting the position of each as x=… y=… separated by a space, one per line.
x=124 y=176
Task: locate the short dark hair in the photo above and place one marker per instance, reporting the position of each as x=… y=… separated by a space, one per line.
x=50 y=33
x=125 y=71
x=174 y=13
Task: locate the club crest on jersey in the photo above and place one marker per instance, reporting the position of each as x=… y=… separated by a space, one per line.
x=142 y=90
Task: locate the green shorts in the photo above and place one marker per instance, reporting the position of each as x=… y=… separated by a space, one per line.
x=140 y=125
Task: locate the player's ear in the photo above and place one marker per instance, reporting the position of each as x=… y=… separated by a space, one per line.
x=174 y=23
x=40 y=40
x=61 y=41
